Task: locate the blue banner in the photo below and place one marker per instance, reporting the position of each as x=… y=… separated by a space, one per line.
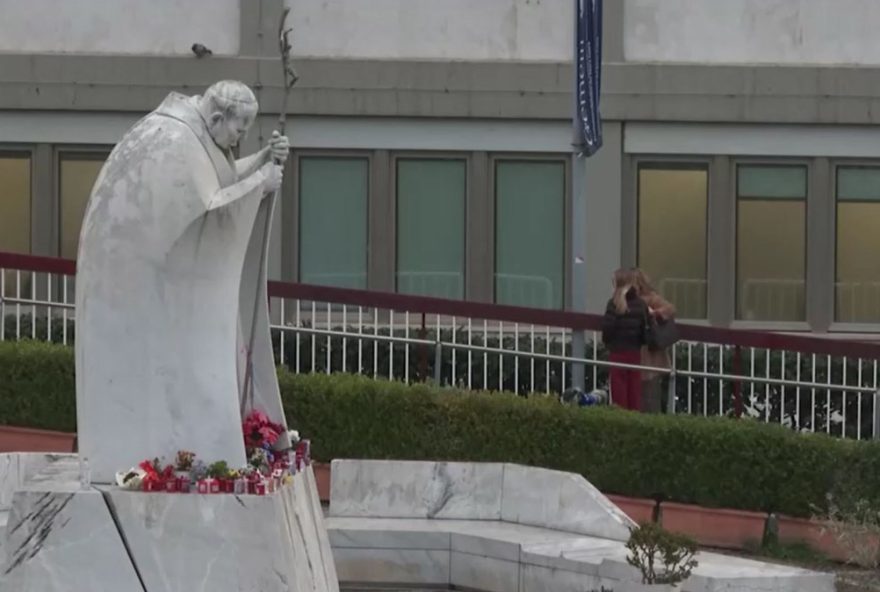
x=588 y=76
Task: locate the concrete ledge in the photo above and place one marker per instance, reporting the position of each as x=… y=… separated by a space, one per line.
x=455 y=89
x=503 y=555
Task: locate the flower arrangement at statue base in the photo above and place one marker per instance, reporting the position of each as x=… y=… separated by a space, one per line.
x=267 y=469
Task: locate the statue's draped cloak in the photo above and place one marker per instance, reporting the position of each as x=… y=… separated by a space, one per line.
x=165 y=289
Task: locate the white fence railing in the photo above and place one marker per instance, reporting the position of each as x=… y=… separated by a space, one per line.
x=806 y=383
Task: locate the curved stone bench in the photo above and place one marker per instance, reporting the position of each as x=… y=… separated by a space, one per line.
x=503 y=528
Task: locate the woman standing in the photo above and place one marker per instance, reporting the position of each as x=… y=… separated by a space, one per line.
x=624 y=334
x=663 y=311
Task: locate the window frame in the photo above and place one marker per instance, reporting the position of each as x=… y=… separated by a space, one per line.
x=29 y=151
x=492 y=199
x=62 y=152
x=292 y=216
x=468 y=158
x=836 y=164
x=687 y=163
x=808 y=164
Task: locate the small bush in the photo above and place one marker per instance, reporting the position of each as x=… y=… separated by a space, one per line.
x=855 y=525
x=37 y=386
x=714 y=462
x=661 y=556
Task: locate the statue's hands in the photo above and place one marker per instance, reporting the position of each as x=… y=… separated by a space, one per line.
x=273 y=175
x=279 y=147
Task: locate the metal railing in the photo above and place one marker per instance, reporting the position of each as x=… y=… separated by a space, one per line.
x=805 y=382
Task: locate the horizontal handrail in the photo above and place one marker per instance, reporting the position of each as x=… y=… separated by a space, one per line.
x=805 y=344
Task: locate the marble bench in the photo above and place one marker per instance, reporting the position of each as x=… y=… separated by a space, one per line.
x=503 y=528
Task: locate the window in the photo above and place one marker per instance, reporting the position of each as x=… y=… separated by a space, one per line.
x=672 y=202
x=857 y=281
x=15 y=202
x=431 y=196
x=333 y=221
x=76 y=178
x=771 y=242
x=15 y=217
x=529 y=233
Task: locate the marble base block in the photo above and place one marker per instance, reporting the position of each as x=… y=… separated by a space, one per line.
x=62 y=538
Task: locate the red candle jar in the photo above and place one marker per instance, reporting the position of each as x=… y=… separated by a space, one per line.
x=183 y=484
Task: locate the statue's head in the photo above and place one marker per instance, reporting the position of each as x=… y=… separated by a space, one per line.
x=229 y=108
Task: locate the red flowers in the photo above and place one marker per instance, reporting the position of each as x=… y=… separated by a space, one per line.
x=259 y=432
x=155 y=477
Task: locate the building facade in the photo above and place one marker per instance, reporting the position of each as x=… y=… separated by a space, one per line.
x=741 y=164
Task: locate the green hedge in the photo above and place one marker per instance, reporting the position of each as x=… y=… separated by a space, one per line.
x=37 y=387
x=712 y=462
x=790 y=405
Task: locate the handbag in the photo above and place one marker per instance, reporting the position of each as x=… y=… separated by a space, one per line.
x=660 y=334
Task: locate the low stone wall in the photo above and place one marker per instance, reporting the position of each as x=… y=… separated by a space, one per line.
x=61 y=537
x=504 y=528
x=475 y=491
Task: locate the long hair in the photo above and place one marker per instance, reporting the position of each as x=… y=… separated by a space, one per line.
x=624 y=281
x=642 y=283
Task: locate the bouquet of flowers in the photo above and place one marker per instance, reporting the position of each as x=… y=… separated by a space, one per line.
x=267 y=467
x=259 y=431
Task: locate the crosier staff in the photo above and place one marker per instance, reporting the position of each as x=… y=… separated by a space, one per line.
x=290 y=78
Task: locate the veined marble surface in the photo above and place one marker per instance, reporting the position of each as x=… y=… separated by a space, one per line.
x=474 y=491
x=415 y=489
x=485 y=555
x=552 y=532
x=561 y=501
x=64 y=539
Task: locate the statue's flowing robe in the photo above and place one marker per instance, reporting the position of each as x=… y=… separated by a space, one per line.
x=168 y=275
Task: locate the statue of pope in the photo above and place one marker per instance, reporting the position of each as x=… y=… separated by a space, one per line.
x=169 y=272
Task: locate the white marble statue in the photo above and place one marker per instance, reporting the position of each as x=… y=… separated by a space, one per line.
x=169 y=272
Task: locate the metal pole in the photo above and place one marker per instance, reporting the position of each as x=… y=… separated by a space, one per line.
x=438 y=361
x=577 y=226
x=876 y=434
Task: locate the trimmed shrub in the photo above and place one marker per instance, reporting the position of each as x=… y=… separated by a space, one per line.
x=799 y=408
x=37 y=387
x=714 y=462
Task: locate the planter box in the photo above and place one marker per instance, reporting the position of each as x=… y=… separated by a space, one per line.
x=809 y=532
x=640 y=510
x=15 y=439
x=322 y=480
x=726 y=529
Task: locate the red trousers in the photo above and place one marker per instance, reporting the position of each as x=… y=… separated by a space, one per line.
x=626 y=384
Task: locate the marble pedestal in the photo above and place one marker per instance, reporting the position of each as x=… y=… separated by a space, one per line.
x=62 y=538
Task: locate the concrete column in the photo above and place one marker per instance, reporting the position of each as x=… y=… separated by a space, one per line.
x=603 y=216
x=44 y=202
x=821 y=216
x=380 y=234
x=722 y=243
x=480 y=241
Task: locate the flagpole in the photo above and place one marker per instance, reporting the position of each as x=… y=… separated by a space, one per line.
x=578 y=222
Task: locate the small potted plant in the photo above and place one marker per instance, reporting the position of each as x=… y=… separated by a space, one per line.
x=183 y=463
x=155 y=477
x=216 y=473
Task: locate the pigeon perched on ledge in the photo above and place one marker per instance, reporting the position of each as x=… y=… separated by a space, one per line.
x=200 y=50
